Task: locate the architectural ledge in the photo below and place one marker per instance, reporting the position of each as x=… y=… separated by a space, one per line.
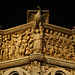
x=58 y=28
x=38 y=57
x=17 y=28
x=31 y=24
x=60 y=62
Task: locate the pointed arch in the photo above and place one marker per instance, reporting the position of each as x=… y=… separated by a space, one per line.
x=19 y=70
x=53 y=71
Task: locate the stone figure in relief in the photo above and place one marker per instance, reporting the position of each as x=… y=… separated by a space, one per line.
x=12 y=52
x=18 y=44
x=37 y=42
x=51 y=51
x=36 y=68
x=22 y=49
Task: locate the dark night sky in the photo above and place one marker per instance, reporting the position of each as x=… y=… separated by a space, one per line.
x=14 y=12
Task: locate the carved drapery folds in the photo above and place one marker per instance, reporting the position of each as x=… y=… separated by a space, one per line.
x=58 y=45
x=37 y=38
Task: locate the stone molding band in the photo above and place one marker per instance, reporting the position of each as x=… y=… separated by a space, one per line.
x=31 y=24
x=58 y=28
x=38 y=57
x=17 y=28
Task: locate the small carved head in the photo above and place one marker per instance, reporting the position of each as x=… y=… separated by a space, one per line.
x=35 y=63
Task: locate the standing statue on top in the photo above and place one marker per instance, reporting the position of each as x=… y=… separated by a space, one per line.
x=38 y=18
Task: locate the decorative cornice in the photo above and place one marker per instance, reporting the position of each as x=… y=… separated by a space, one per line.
x=17 y=28
x=31 y=24
x=60 y=62
x=1 y=31
x=11 y=63
x=57 y=28
x=38 y=57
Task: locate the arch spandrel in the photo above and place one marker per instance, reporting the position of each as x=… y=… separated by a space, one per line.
x=38 y=68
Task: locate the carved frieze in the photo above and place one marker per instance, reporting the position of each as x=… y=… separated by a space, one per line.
x=21 y=43
x=16 y=45
x=58 y=45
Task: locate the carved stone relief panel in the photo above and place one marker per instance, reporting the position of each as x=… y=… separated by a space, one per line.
x=37 y=68
x=58 y=45
x=16 y=45
x=21 y=43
